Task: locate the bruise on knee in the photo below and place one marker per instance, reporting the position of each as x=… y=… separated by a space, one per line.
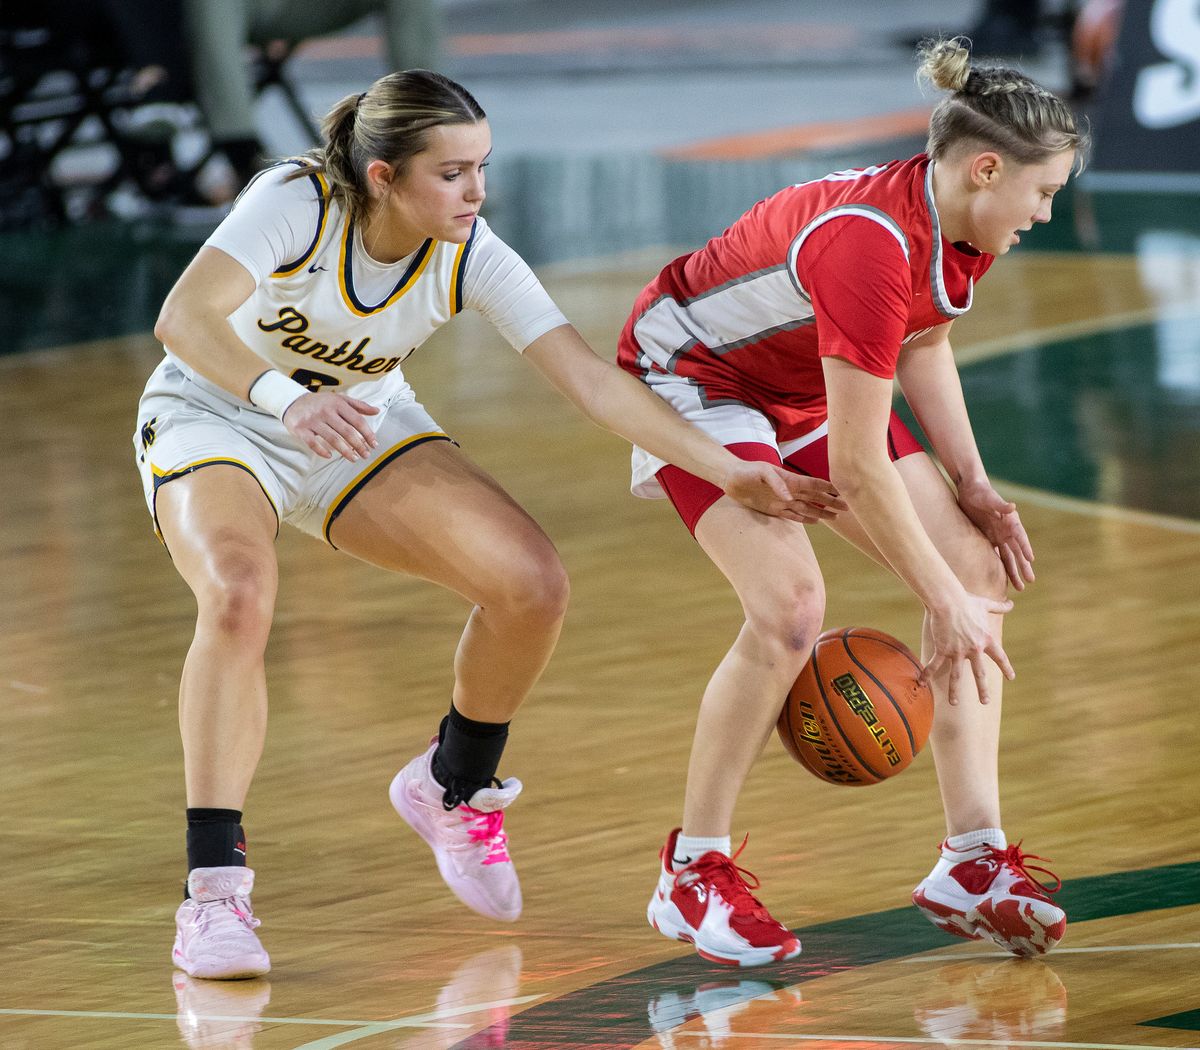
x=792 y=626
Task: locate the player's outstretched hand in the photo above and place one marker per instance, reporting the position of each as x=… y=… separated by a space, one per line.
x=770 y=489
x=998 y=520
x=962 y=634
x=330 y=423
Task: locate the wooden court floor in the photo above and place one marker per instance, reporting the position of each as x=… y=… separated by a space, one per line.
x=1099 y=756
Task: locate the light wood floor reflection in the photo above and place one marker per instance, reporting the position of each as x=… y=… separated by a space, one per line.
x=1098 y=756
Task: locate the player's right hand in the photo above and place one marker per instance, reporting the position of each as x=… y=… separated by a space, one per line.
x=962 y=634
x=330 y=423
x=770 y=489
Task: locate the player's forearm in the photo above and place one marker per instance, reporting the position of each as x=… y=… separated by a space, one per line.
x=628 y=407
x=933 y=390
x=613 y=399
x=205 y=340
x=948 y=428
x=879 y=500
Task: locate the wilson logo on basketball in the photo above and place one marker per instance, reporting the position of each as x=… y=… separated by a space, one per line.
x=835 y=730
x=832 y=767
x=858 y=702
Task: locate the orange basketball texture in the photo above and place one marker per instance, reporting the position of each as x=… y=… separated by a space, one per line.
x=857 y=714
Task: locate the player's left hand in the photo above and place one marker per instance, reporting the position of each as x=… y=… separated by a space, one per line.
x=770 y=489
x=998 y=520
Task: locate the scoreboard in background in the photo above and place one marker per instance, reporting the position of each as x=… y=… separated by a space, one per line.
x=1147 y=116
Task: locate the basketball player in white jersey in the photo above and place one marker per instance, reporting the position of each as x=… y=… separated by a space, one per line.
x=282 y=399
x=781 y=338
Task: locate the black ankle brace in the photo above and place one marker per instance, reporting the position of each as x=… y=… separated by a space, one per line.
x=467 y=756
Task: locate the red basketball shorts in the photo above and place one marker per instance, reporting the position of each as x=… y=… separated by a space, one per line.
x=692 y=496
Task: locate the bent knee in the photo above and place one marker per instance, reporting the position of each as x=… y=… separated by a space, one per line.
x=237 y=597
x=789 y=621
x=980 y=570
x=532 y=586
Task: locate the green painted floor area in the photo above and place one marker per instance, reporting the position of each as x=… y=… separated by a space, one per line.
x=626 y=1010
x=95 y=281
x=1188 y=1021
x=1113 y=417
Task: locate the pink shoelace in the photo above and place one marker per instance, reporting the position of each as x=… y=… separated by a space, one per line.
x=211 y=911
x=487 y=828
x=1014 y=858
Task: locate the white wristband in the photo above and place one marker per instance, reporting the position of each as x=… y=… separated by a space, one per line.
x=275 y=393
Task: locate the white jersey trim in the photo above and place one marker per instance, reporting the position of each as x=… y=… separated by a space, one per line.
x=937 y=281
x=863 y=211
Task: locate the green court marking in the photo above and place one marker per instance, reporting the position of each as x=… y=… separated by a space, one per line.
x=1188 y=1021
x=1108 y=416
x=624 y=1011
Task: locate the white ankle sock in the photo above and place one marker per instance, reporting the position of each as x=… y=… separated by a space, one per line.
x=970 y=839
x=689 y=847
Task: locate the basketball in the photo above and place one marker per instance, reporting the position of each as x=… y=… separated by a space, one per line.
x=857 y=714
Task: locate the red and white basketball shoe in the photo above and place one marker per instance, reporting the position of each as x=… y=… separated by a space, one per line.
x=989 y=892
x=708 y=903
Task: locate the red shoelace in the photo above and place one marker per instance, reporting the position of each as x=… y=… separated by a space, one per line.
x=730 y=880
x=1014 y=858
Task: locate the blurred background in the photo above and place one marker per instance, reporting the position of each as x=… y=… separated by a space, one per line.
x=129 y=125
x=626 y=127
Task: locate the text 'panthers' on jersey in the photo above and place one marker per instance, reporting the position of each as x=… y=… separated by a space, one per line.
x=328 y=315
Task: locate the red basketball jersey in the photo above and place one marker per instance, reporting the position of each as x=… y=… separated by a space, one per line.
x=851 y=266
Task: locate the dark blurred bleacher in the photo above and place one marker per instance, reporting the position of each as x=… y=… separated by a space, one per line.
x=96 y=110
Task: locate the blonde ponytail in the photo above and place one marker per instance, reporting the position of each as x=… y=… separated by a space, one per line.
x=389 y=121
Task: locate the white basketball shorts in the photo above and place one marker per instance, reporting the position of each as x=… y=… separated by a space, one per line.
x=185 y=424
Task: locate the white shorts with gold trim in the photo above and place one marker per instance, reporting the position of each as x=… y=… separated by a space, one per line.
x=186 y=423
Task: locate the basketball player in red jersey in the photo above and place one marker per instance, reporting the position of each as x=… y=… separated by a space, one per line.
x=780 y=338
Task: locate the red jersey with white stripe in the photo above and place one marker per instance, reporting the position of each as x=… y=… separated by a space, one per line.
x=852 y=265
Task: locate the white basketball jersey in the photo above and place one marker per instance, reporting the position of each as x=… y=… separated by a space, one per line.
x=310 y=317
x=309 y=320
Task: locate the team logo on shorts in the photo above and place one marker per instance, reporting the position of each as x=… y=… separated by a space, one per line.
x=148 y=432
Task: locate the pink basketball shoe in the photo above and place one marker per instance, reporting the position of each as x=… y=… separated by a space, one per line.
x=214 y=928
x=468 y=841
x=708 y=903
x=989 y=892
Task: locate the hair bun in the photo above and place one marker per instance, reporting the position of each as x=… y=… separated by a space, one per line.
x=945 y=63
